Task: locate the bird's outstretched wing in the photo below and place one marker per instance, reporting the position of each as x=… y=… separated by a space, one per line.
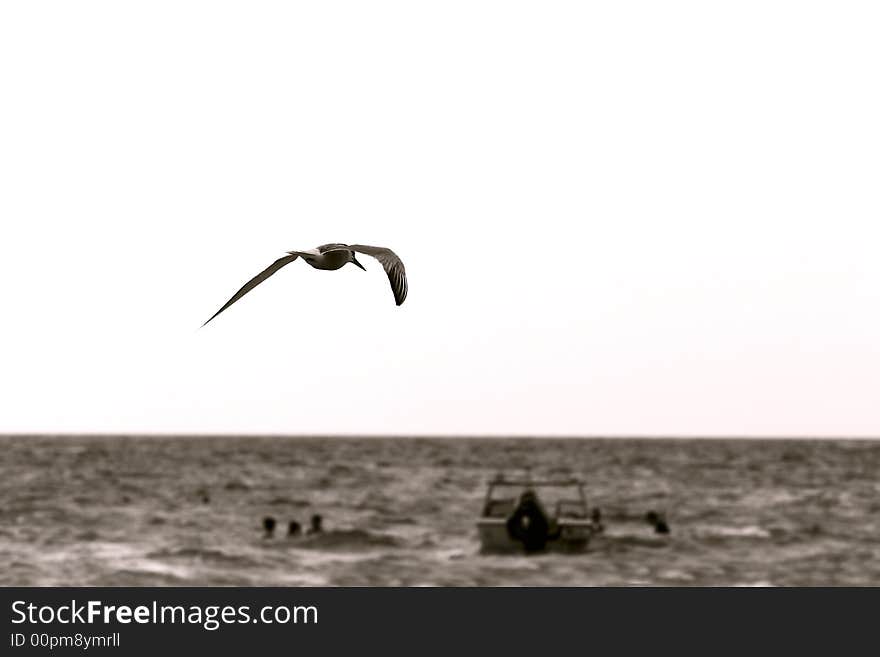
x=393 y=267
x=256 y=280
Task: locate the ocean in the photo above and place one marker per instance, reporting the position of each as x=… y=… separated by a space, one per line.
x=188 y=511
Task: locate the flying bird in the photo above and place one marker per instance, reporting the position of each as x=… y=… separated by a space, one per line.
x=332 y=256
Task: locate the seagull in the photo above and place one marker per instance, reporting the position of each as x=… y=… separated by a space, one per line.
x=332 y=256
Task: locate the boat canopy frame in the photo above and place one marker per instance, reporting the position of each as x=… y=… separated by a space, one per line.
x=527 y=483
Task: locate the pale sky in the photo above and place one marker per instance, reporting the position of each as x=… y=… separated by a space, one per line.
x=616 y=217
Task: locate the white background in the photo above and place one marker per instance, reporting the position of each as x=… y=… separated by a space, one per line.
x=616 y=217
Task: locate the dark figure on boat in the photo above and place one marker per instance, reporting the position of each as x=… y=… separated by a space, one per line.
x=528 y=523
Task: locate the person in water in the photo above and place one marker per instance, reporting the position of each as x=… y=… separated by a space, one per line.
x=294 y=528
x=658 y=521
x=316 y=526
x=268 y=526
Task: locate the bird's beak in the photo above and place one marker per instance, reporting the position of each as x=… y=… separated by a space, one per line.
x=358 y=264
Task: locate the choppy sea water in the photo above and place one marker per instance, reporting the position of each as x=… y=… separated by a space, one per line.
x=401 y=511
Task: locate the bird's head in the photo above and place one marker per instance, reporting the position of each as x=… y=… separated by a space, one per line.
x=355 y=261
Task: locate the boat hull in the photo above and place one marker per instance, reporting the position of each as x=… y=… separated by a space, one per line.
x=572 y=535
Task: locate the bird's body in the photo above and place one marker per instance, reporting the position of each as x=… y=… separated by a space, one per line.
x=326 y=256
x=330 y=257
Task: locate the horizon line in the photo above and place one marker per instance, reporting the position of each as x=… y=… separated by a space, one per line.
x=429 y=436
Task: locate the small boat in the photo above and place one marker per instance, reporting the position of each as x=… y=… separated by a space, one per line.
x=514 y=519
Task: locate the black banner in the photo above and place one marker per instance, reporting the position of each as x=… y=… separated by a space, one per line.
x=129 y=621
